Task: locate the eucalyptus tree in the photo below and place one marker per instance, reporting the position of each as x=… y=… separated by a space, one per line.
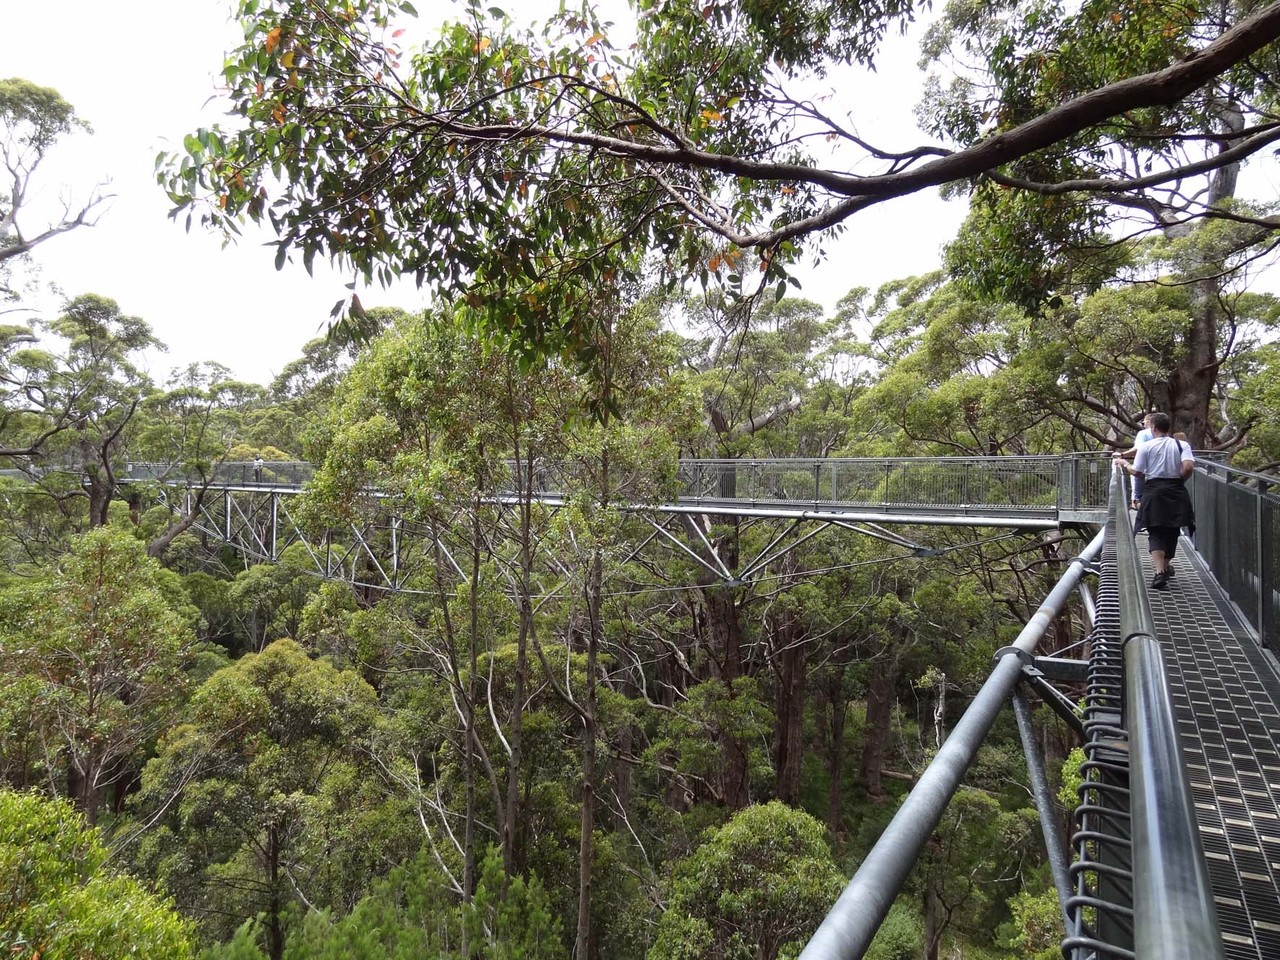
x=447 y=425
x=93 y=662
x=187 y=428
x=87 y=379
x=1047 y=226
x=32 y=121
x=958 y=373
x=76 y=407
x=754 y=889
x=60 y=899
x=624 y=455
x=520 y=166
x=264 y=797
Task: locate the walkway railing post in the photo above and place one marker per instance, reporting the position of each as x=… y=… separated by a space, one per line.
x=1266 y=556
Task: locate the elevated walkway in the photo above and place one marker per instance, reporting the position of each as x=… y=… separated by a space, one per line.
x=1224 y=690
x=1033 y=493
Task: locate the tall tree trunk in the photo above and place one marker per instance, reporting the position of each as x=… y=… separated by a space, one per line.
x=724 y=624
x=99 y=491
x=1189 y=391
x=875 y=736
x=789 y=704
x=87 y=790
x=275 y=905
x=1191 y=383
x=582 y=942
x=835 y=749
x=935 y=921
x=622 y=768
x=511 y=857
x=469 y=754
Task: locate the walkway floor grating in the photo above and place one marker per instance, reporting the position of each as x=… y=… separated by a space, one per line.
x=1226 y=691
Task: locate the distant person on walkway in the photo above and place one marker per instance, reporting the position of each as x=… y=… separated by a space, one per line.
x=257 y=468
x=1144 y=436
x=1164 y=463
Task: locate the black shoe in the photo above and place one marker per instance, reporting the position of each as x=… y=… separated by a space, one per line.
x=1169 y=572
x=1160 y=581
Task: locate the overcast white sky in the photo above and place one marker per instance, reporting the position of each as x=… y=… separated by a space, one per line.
x=143 y=74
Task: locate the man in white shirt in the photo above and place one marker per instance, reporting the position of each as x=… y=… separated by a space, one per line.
x=1164 y=463
x=1144 y=435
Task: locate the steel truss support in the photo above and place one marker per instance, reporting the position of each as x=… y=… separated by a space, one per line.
x=387 y=553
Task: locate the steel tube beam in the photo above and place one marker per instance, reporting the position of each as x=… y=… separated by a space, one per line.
x=1090 y=607
x=1174 y=917
x=1054 y=847
x=861 y=516
x=848 y=928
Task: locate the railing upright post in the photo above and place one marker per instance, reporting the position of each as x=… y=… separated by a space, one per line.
x=275 y=521
x=1266 y=628
x=1222 y=514
x=817 y=480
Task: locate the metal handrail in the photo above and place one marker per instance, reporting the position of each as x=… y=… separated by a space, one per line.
x=847 y=930
x=1212 y=466
x=1174 y=914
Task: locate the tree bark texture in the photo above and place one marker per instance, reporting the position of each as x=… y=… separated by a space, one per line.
x=875 y=735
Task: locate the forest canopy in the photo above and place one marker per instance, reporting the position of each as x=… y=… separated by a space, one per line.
x=416 y=709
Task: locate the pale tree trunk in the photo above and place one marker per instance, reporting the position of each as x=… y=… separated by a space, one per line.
x=511 y=846
x=469 y=735
x=940 y=711
x=582 y=942
x=935 y=920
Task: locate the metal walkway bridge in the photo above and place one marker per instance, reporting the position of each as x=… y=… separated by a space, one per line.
x=254 y=508
x=1030 y=492
x=1175 y=697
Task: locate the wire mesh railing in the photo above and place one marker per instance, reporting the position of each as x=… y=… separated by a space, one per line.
x=229 y=473
x=1031 y=484
x=1238 y=535
x=1100 y=909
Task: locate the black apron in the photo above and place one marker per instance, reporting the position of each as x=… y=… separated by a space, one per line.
x=1166 y=503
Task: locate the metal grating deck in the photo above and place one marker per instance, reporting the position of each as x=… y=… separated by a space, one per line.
x=1225 y=692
